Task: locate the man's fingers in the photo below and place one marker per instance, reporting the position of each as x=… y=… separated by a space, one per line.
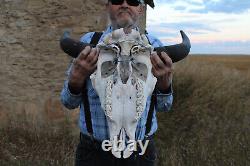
x=166 y=59
x=156 y=72
x=95 y=59
x=157 y=62
x=161 y=65
x=84 y=53
x=86 y=62
x=77 y=64
x=92 y=57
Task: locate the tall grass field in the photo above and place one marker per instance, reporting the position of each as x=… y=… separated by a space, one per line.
x=208 y=125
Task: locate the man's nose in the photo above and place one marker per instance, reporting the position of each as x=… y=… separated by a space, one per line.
x=124 y=4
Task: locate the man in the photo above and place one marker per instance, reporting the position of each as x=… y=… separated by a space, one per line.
x=122 y=14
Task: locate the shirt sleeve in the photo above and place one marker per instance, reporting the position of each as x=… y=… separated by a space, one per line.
x=164 y=100
x=69 y=100
x=87 y=37
x=154 y=41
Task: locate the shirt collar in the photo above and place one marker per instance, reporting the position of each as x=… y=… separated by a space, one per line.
x=110 y=29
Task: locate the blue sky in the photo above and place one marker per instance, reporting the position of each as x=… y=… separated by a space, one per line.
x=214 y=26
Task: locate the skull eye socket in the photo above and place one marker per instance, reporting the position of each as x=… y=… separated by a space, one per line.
x=116 y=48
x=107 y=69
x=140 y=71
x=135 y=49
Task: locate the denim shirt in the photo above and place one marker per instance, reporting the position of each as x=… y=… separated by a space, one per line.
x=99 y=122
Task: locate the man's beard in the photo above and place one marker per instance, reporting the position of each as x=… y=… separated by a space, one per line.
x=128 y=22
x=125 y=23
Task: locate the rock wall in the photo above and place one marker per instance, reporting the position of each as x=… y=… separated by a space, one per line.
x=32 y=66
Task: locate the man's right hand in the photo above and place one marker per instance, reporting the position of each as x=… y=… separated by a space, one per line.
x=83 y=66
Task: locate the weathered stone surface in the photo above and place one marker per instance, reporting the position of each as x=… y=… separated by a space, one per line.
x=32 y=66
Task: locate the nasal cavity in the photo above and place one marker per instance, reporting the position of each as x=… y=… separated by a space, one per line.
x=124 y=72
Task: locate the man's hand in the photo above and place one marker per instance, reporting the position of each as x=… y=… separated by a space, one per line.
x=162 y=69
x=83 y=66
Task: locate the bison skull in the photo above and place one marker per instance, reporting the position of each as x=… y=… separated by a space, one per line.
x=123 y=81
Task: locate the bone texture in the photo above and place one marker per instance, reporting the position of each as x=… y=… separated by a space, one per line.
x=124 y=84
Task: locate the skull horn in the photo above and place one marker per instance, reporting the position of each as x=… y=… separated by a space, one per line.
x=176 y=52
x=70 y=46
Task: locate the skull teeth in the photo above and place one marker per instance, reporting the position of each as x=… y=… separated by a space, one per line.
x=108 y=101
x=139 y=99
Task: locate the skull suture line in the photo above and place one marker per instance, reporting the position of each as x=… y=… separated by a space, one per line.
x=123 y=81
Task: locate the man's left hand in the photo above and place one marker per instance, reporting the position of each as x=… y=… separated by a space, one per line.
x=162 y=69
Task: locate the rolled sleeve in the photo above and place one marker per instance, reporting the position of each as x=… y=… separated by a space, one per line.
x=164 y=100
x=69 y=100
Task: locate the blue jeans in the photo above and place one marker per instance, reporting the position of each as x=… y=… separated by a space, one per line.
x=89 y=153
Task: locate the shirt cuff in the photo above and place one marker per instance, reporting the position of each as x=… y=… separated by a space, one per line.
x=169 y=91
x=70 y=100
x=164 y=100
x=70 y=93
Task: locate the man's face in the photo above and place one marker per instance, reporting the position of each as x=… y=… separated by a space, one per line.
x=124 y=15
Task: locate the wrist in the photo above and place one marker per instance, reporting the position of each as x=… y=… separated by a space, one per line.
x=163 y=88
x=164 y=84
x=76 y=85
x=74 y=89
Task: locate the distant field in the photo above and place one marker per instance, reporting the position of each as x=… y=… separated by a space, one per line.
x=240 y=62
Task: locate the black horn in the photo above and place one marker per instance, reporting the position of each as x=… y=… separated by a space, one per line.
x=70 y=46
x=176 y=52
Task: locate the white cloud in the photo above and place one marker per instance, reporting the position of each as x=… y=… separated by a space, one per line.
x=170 y=16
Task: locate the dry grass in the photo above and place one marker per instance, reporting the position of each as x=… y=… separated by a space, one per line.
x=209 y=123
x=210 y=119
x=24 y=143
x=240 y=62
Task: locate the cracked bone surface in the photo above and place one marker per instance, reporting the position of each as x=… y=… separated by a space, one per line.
x=123 y=81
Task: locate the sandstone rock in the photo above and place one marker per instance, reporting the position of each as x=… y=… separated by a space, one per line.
x=32 y=65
